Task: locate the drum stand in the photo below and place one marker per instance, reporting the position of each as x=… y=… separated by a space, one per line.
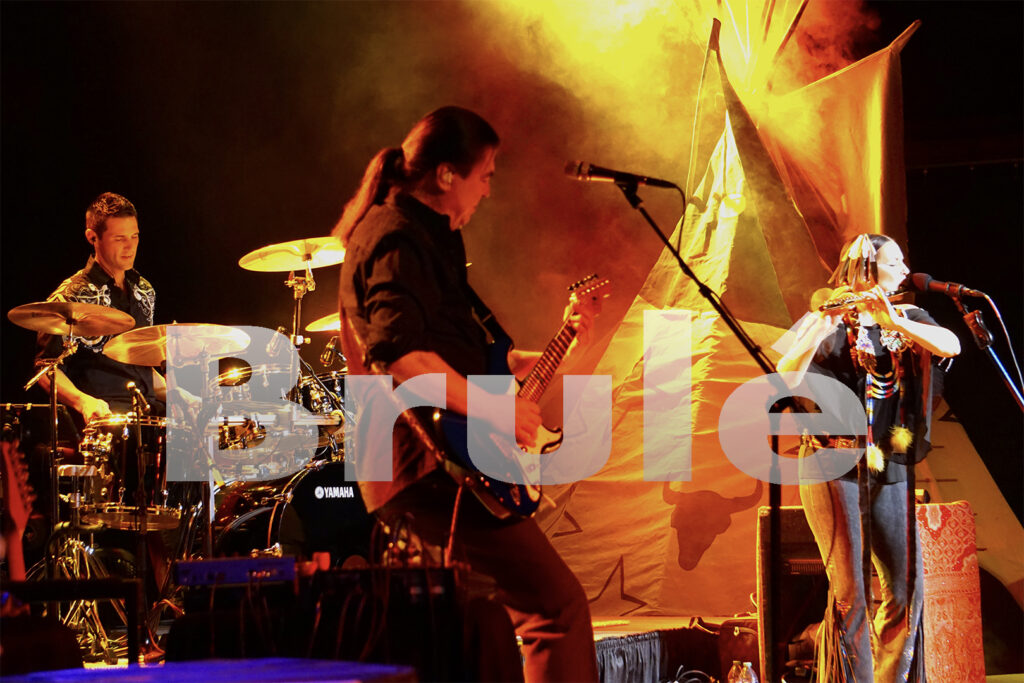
x=49 y=369
x=300 y=286
x=68 y=556
x=71 y=558
x=139 y=407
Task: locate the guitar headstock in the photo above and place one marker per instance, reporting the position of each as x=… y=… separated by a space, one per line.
x=590 y=290
x=18 y=495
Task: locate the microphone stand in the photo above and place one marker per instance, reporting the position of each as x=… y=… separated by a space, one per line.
x=785 y=400
x=49 y=369
x=983 y=339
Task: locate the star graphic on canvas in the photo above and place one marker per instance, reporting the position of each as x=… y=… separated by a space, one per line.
x=623 y=597
x=575 y=527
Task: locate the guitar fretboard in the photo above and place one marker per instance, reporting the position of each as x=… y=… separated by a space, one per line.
x=536 y=383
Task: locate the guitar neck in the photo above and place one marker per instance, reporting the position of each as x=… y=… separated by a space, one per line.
x=536 y=383
x=17 y=506
x=15 y=557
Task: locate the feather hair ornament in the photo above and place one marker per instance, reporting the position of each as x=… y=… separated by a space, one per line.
x=858 y=266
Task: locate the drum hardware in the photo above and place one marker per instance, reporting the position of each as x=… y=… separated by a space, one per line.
x=329 y=354
x=108 y=494
x=323 y=394
x=64 y=318
x=240 y=382
x=75 y=559
x=103 y=490
x=111 y=495
x=192 y=344
x=290 y=257
x=240 y=433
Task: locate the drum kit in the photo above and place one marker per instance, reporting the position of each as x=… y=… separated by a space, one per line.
x=117 y=477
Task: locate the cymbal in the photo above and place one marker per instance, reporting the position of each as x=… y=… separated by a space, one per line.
x=148 y=345
x=328 y=323
x=286 y=256
x=67 y=317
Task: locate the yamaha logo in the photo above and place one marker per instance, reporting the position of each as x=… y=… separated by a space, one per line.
x=334 y=492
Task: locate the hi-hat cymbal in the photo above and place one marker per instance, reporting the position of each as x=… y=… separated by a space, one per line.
x=286 y=256
x=71 y=317
x=328 y=323
x=191 y=341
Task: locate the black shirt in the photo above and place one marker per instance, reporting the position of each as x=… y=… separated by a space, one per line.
x=404 y=288
x=403 y=284
x=906 y=407
x=89 y=370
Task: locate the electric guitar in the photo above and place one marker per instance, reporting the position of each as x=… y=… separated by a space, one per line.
x=501 y=497
x=18 y=499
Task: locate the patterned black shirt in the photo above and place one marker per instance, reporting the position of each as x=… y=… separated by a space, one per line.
x=89 y=370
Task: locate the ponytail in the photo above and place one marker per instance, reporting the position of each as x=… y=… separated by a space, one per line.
x=451 y=135
x=384 y=170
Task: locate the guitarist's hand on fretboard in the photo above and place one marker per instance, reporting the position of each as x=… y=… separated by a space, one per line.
x=509 y=480
x=580 y=314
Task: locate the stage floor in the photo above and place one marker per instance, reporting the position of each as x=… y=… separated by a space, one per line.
x=629 y=648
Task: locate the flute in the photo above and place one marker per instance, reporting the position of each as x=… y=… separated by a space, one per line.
x=851 y=299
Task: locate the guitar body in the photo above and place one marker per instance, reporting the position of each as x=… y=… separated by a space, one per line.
x=512 y=499
x=498 y=495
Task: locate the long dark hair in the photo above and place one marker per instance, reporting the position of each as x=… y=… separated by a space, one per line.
x=452 y=135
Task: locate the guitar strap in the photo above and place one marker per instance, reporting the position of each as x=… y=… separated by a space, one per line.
x=484 y=316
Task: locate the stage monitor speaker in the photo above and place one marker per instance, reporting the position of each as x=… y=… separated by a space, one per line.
x=803 y=586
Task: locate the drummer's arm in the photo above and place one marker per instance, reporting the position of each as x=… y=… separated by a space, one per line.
x=67 y=393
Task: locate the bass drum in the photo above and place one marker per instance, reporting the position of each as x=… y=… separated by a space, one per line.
x=316 y=510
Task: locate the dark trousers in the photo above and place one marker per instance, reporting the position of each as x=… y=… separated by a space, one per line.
x=544 y=598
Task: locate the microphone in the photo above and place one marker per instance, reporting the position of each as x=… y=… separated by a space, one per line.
x=329 y=354
x=581 y=170
x=138 y=395
x=922 y=282
x=274 y=345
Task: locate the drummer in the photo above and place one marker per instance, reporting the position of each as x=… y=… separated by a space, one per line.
x=89 y=381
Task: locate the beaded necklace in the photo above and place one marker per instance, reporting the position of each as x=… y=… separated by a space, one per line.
x=877 y=385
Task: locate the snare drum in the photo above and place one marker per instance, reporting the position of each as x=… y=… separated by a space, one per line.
x=316 y=510
x=109 y=445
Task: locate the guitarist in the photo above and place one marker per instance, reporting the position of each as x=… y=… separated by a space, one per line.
x=405 y=294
